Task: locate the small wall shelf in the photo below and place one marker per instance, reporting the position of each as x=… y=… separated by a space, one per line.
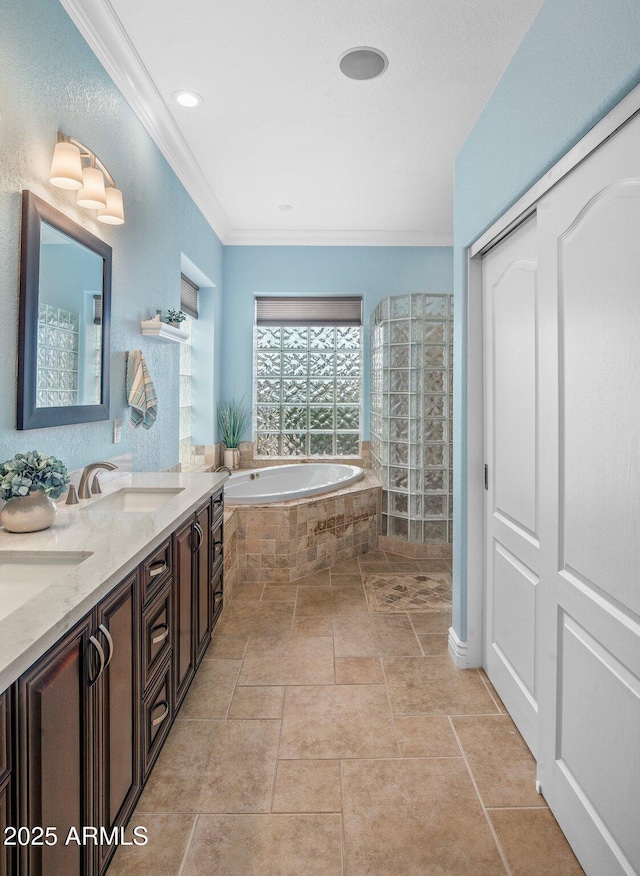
x=163 y=331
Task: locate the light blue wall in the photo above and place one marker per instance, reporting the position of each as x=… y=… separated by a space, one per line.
x=50 y=80
x=575 y=63
x=373 y=272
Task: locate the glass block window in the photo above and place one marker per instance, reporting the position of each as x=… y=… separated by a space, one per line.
x=58 y=334
x=308 y=390
x=184 y=434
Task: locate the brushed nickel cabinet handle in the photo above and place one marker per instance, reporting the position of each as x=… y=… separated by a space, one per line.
x=157 y=569
x=200 y=534
x=162 y=631
x=107 y=636
x=160 y=718
x=96 y=644
x=219 y=500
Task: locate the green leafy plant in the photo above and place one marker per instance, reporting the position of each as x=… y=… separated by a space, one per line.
x=32 y=471
x=176 y=316
x=233 y=418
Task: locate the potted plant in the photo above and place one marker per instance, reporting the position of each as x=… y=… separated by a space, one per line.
x=233 y=418
x=176 y=317
x=28 y=483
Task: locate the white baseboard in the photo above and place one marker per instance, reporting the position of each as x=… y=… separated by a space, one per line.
x=458 y=651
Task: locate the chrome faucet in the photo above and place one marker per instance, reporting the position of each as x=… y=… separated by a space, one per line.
x=83 y=490
x=223 y=468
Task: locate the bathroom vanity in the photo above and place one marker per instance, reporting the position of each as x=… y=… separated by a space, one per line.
x=94 y=667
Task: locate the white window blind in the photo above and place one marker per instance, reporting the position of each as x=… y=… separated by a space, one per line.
x=317 y=311
x=189 y=296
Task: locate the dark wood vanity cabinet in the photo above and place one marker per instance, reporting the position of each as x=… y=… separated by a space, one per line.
x=78 y=737
x=82 y=728
x=191 y=605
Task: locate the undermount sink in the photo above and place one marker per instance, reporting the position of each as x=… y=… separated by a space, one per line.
x=136 y=499
x=23 y=575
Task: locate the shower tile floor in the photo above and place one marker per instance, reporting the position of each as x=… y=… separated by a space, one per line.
x=322 y=739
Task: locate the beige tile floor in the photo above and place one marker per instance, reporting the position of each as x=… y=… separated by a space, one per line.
x=319 y=739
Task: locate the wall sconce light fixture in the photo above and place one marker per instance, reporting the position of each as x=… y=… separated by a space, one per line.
x=76 y=167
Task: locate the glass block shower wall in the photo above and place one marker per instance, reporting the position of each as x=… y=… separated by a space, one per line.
x=411 y=410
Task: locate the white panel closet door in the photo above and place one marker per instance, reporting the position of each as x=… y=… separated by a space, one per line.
x=589 y=668
x=511 y=453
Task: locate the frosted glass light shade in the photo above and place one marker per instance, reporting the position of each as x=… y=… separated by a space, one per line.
x=66 y=166
x=113 y=213
x=92 y=194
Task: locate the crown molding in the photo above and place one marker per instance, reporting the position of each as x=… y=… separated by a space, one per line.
x=303 y=237
x=103 y=31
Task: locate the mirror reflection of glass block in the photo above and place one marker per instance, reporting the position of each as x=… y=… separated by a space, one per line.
x=435 y=406
x=399 y=306
x=267 y=444
x=321 y=418
x=268 y=390
x=435 y=454
x=436 y=306
x=295 y=364
x=348 y=338
x=347 y=390
x=294 y=417
x=347 y=417
x=399 y=527
x=347 y=444
x=295 y=338
x=321 y=364
x=398 y=429
x=435 y=506
x=398 y=453
x=435 y=332
x=294 y=444
x=320 y=445
x=435 y=531
x=294 y=391
x=400 y=356
x=435 y=480
x=398 y=503
x=347 y=364
x=322 y=338
x=398 y=478
x=268 y=338
x=400 y=333
x=268 y=364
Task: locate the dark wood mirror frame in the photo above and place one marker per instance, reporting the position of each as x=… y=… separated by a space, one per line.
x=34 y=212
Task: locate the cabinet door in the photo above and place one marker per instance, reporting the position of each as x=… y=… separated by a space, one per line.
x=185 y=542
x=55 y=770
x=6 y=852
x=118 y=699
x=6 y=810
x=202 y=631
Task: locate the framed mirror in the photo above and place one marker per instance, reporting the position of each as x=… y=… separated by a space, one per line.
x=65 y=310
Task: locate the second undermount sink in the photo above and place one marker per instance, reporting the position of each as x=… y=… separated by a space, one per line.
x=25 y=574
x=136 y=499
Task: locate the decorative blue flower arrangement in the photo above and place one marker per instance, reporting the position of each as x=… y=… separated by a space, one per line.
x=32 y=471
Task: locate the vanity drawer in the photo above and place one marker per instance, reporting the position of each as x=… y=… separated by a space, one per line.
x=156 y=569
x=217 y=509
x=157 y=712
x=217 y=546
x=157 y=638
x=216 y=595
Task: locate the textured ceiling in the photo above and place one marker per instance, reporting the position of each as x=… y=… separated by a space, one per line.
x=358 y=161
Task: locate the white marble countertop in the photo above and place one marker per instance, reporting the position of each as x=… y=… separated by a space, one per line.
x=117 y=541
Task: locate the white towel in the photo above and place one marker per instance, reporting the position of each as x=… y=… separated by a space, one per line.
x=141 y=393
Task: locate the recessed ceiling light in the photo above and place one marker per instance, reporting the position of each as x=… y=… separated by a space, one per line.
x=285 y=207
x=363 y=62
x=187 y=98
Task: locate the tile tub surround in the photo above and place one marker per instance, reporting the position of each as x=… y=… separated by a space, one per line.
x=285 y=541
x=304 y=760
x=118 y=542
x=415 y=551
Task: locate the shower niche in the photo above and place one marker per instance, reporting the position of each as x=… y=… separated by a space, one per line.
x=411 y=410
